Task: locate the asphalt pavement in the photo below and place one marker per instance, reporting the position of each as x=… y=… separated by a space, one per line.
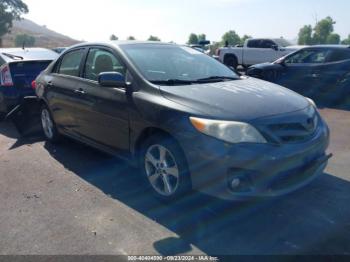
x=70 y=199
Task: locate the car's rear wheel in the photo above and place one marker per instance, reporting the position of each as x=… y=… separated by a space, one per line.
x=165 y=168
x=48 y=125
x=231 y=61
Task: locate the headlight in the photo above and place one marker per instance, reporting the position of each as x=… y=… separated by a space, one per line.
x=312 y=102
x=231 y=132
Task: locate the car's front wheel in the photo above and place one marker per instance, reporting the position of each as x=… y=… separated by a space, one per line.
x=165 y=168
x=48 y=125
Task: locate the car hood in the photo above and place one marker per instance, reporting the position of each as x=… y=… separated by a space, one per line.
x=267 y=66
x=244 y=99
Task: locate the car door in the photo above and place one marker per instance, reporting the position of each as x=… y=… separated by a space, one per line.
x=62 y=85
x=332 y=74
x=105 y=116
x=303 y=71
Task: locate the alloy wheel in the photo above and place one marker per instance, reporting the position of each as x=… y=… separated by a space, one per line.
x=162 y=170
x=47 y=123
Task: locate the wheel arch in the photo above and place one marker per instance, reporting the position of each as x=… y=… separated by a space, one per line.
x=149 y=132
x=230 y=55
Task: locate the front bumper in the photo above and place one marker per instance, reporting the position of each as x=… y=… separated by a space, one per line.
x=263 y=169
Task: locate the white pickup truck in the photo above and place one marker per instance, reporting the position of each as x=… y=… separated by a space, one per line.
x=255 y=51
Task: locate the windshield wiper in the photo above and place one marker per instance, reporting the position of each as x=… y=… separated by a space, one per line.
x=172 y=82
x=216 y=79
x=13 y=56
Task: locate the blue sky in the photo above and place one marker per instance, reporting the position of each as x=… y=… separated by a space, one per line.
x=174 y=20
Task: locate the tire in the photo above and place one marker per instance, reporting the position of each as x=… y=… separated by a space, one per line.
x=48 y=125
x=167 y=179
x=231 y=61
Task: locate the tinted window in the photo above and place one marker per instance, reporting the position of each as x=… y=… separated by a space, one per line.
x=267 y=44
x=338 y=55
x=164 y=62
x=308 y=56
x=100 y=61
x=70 y=63
x=254 y=43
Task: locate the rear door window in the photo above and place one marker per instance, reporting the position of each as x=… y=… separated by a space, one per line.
x=70 y=63
x=338 y=55
x=254 y=43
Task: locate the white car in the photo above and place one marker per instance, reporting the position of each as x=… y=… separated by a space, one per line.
x=255 y=51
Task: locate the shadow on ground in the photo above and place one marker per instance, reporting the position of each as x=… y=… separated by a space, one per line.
x=314 y=220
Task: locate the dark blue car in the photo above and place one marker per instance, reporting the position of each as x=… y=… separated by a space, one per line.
x=319 y=72
x=18 y=69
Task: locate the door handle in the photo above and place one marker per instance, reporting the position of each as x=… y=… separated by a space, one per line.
x=79 y=91
x=315 y=74
x=49 y=84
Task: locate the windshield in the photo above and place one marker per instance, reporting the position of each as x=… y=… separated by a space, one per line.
x=172 y=64
x=282 y=42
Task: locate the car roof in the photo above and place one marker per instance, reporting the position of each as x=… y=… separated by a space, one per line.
x=121 y=43
x=330 y=46
x=20 y=54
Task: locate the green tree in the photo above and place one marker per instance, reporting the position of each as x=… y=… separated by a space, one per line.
x=333 y=39
x=131 y=38
x=231 y=38
x=323 y=30
x=346 y=41
x=193 y=39
x=244 y=38
x=153 y=38
x=322 y=33
x=305 y=35
x=10 y=10
x=202 y=37
x=24 y=40
x=113 y=37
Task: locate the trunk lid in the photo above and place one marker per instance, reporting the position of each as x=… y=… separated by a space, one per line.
x=24 y=72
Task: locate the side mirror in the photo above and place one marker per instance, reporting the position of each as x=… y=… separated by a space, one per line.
x=274 y=47
x=111 y=79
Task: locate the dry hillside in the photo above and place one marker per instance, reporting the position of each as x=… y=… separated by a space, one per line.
x=44 y=37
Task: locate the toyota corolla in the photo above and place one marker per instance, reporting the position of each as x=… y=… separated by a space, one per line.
x=186 y=120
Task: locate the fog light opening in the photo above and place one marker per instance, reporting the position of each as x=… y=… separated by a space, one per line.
x=235 y=183
x=239 y=181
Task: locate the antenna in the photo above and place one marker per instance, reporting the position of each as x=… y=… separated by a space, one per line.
x=23 y=45
x=316 y=18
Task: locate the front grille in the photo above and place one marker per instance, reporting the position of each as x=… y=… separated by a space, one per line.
x=295 y=132
x=294 y=129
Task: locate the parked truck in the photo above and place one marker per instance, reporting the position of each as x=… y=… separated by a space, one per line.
x=255 y=51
